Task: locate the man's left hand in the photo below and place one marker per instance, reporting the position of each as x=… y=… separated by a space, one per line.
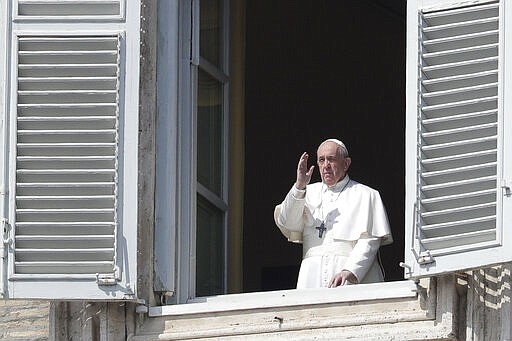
x=342 y=278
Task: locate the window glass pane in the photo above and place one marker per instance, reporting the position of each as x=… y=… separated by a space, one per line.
x=211 y=30
x=209 y=133
x=209 y=249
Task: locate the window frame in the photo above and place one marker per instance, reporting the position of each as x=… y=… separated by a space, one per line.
x=221 y=74
x=176 y=175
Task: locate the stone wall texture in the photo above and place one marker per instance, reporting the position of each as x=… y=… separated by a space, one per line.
x=24 y=320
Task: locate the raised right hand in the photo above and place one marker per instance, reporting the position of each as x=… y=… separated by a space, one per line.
x=303 y=174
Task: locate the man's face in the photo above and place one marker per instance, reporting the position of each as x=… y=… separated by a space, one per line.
x=331 y=165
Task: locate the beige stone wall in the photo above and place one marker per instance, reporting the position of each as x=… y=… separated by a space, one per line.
x=24 y=320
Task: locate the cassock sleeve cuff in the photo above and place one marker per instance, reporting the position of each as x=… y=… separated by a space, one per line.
x=298 y=193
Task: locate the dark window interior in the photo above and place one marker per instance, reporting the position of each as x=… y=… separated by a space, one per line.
x=314 y=70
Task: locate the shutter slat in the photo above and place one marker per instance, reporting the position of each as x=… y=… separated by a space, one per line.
x=428 y=161
x=67 y=70
x=63 y=83
x=63 y=92
x=56 y=106
x=460 y=42
x=461 y=26
x=65 y=238
x=454 y=223
x=457 y=38
x=463 y=77
x=459 y=144
x=65 y=158
x=64 y=210
x=462 y=93
x=459 y=105
x=69 y=9
x=65 y=201
x=28 y=66
x=435 y=18
x=463 y=209
x=64 y=184
x=57 y=41
x=439 y=133
x=460 y=68
x=445 y=119
x=64 y=268
x=76 y=228
x=461 y=80
x=66 y=171
x=64 y=197
x=66 y=145
x=27 y=256
x=455 y=135
x=67 y=131
x=451 y=188
x=457 y=170
x=473 y=63
x=472 y=53
x=65 y=118
x=68 y=53
x=464 y=240
x=458 y=160
x=445 y=198
x=458 y=183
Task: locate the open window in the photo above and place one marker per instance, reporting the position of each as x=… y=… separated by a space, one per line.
x=69 y=146
x=293 y=75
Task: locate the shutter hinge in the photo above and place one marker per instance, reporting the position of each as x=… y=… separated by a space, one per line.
x=141 y=307
x=108 y=279
x=4 y=225
x=505 y=185
x=425 y=258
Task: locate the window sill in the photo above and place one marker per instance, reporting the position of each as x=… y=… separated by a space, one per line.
x=288 y=298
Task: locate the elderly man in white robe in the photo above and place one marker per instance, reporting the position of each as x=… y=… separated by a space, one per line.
x=340 y=222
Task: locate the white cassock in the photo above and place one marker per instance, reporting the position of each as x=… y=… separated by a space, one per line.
x=355 y=223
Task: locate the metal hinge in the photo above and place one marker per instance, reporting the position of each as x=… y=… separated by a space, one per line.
x=505 y=185
x=4 y=225
x=425 y=258
x=108 y=279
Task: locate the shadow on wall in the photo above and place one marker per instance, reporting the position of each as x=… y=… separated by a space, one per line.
x=488 y=304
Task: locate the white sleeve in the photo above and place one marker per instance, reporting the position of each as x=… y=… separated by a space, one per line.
x=289 y=215
x=362 y=256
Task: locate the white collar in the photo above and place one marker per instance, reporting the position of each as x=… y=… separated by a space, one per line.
x=340 y=185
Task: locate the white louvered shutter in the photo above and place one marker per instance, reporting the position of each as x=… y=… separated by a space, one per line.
x=455 y=116
x=69 y=9
x=71 y=220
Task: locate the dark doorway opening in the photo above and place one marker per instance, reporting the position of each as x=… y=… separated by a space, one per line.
x=315 y=70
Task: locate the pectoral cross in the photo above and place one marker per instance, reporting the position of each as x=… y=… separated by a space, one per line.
x=321 y=229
